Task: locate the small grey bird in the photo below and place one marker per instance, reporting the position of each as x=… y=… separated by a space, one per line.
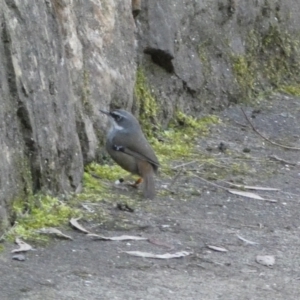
x=128 y=147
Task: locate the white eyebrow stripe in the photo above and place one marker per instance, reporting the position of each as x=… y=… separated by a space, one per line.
x=116 y=126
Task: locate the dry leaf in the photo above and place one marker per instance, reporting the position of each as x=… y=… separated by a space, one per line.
x=23 y=247
x=215 y=248
x=117 y=238
x=250 y=187
x=246 y=194
x=54 y=231
x=86 y=207
x=246 y=241
x=250 y=195
x=259 y=188
x=265 y=260
x=159 y=256
x=75 y=224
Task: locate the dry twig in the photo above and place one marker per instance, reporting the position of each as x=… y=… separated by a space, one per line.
x=265 y=138
x=274 y=157
x=177 y=175
x=237 y=192
x=184 y=164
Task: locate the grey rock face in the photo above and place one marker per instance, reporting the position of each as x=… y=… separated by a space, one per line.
x=61 y=61
x=161 y=31
x=193 y=42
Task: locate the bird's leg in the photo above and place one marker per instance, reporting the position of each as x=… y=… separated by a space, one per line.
x=119 y=184
x=137 y=183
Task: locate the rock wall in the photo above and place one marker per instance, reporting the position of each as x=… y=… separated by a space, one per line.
x=194 y=52
x=62 y=60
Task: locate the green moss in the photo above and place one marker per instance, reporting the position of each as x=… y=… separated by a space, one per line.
x=37 y=212
x=271 y=63
x=178 y=142
x=105 y=172
x=172 y=145
x=245 y=76
x=23 y=199
x=293 y=90
x=98 y=184
x=146 y=103
x=189 y=123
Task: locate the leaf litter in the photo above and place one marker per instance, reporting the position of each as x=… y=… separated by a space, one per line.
x=250 y=195
x=75 y=224
x=54 y=231
x=252 y=187
x=216 y=248
x=179 y=254
x=117 y=238
x=23 y=247
x=241 y=193
x=246 y=241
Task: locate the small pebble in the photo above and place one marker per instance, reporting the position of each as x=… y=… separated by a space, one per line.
x=222 y=147
x=19 y=257
x=246 y=150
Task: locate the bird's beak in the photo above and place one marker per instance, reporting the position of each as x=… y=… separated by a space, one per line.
x=105 y=112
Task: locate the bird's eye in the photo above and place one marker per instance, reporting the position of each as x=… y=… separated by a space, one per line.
x=117 y=117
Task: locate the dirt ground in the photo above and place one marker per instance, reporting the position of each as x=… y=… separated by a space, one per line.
x=196 y=215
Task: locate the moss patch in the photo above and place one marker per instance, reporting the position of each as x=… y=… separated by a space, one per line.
x=98 y=182
x=37 y=212
x=271 y=63
x=146 y=103
x=293 y=90
x=178 y=142
x=105 y=172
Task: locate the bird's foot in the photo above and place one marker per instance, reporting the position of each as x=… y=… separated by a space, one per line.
x=120 y=183
x=137 y=183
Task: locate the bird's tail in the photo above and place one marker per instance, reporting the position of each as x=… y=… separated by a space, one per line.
x=147 y=173
x=149 y=186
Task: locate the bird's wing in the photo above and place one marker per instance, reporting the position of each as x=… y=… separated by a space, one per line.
x=136 y=147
